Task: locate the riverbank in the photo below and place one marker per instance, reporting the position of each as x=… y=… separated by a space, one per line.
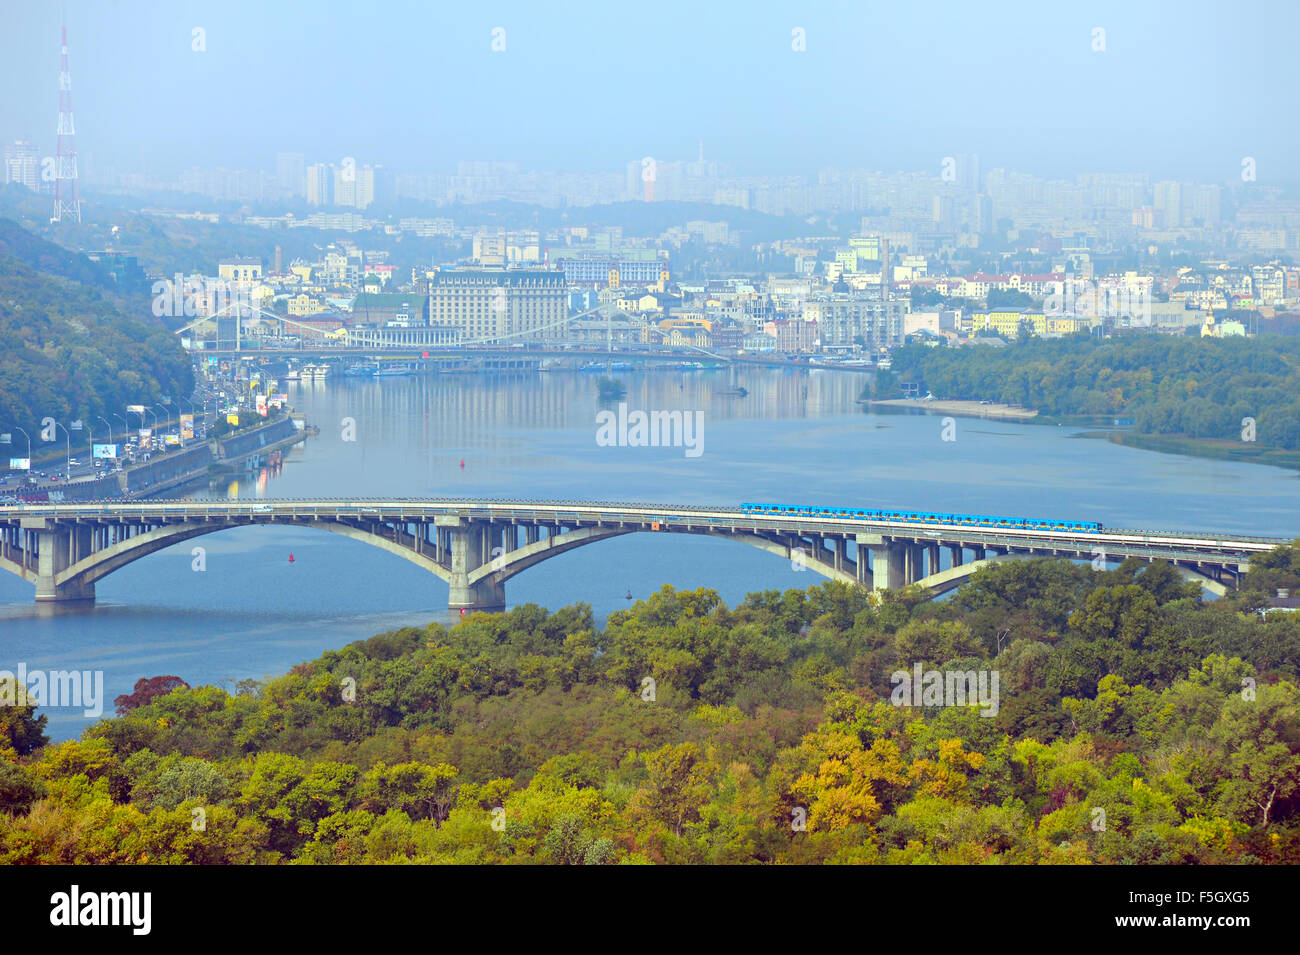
x=182 y=466
x=1244 y=452
x=965 y=409
x=1241 y=451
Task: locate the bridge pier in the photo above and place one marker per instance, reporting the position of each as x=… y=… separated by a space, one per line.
x=57 y=549
x=471 y=547
x=889 y=560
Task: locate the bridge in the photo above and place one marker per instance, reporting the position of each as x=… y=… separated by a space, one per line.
x=435 y=342
x=475 y=546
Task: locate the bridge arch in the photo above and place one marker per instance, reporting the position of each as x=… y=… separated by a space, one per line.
x=517 y=561
x=476 y=546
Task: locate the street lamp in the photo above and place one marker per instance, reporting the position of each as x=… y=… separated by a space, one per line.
x=79 y=425
x=67 y=437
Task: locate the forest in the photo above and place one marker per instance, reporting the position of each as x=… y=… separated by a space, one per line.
x=1136 y=723
x=70 y=348
x=1169 y=385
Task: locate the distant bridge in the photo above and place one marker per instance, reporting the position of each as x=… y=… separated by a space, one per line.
x=537 y=351
x=477 y=545
x=440 y=342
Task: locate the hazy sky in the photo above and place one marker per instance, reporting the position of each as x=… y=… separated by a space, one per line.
x=1182 y=89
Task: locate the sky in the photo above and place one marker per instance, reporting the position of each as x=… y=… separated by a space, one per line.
x=1174 y=89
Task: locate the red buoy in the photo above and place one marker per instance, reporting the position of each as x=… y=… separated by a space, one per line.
x=291 y=558
x=462 y=464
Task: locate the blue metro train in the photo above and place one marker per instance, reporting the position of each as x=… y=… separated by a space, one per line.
x=923 y=517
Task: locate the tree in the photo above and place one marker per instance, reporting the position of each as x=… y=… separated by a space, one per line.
x=19 y=788
x=21 y=730
x=677 y=787
x=420 y=791
x=147 y=689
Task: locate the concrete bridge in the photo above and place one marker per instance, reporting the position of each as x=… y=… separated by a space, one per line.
x=477 y=545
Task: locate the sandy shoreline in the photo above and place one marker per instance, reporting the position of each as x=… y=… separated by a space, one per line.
x=972 y=409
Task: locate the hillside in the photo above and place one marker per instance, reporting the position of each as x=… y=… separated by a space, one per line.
x=68 y=347
x=1128 y=722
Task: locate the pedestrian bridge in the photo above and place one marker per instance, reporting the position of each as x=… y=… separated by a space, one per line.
x=477 y=545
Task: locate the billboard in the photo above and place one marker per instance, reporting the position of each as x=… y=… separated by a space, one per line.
x=187 y=426
x=103 y=451
x=232 y=418
x=20 y=464
x=261 y=405
x=135 y=409
x=171 y=439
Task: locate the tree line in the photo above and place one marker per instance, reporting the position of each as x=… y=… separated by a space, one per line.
x=1170 y=385
x=1137 y=723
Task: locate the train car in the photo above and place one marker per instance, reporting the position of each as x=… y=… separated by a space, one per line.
x=922 y=517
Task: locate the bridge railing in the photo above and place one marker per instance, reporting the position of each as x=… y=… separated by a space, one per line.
x=578 y=510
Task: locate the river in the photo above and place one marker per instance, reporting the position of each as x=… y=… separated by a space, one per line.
x=797 y=437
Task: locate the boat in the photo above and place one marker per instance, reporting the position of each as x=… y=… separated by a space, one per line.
x=360 y=371
x=291 y=375
x=392 y=371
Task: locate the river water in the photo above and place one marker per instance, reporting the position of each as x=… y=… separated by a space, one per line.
x=797 y=437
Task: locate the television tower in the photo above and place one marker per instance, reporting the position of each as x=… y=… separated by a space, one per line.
x=67 y=200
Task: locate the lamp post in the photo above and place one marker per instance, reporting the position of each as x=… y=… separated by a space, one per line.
x=80 y=425
x=68 y=438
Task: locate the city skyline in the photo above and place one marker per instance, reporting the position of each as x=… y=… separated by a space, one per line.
x=783 y=90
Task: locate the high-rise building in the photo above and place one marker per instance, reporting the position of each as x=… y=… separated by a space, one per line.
x=500 y=304
x=22 y=165
x=968 y=172
x=320 y=185
x=1168 y=204
x=846 y=320
x=365 y=191
x=291 y=173
x=353 y=185
x=490 y=248
x=984 y=224
x=941 y=214
x=1201 y=205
